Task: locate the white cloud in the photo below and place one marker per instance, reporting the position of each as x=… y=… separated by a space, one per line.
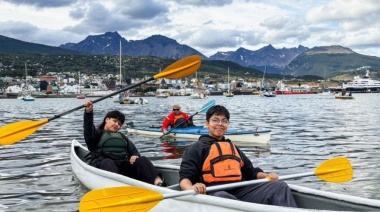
x=208 y=26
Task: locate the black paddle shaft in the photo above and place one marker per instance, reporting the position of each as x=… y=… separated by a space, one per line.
x=102 y=98
x=179 y=124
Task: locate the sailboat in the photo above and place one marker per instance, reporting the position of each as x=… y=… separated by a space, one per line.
x=198 y=94
x=27 y=96
x=122 y=97
x=266 y=93
x=228 y=94
x=80 y=94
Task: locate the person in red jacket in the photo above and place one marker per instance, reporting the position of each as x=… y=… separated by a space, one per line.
x=176 y=118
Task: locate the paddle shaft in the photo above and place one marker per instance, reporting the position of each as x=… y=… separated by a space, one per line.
x=102 y=98
x=203 y=109
x=235 y=185
x=179 y=125
x=251 y=182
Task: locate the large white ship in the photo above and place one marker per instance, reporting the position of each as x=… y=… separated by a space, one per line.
x=365 y=84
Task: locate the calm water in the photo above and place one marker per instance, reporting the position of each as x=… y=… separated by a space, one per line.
x=35 y=174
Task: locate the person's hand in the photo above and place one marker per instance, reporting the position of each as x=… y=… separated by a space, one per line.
x=165 y=132
x=199 y=188
x=272 y=177
x=132 y=160
x=89 y=106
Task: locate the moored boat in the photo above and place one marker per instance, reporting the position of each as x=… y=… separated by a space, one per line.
x=283 y=89
x=129 y=101
x=197 y=95
x=193 y=133
x=307 y=199
x=81 y=96
x=162 y=95
x=343 y=97
x=326 y=92
x=362 y=84
x=28 y=98
x=268 y=94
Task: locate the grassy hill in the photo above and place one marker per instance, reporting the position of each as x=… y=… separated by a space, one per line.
x=10 y=45
x=331 y=62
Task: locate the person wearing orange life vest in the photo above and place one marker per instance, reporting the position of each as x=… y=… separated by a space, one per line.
x=203 y=166
x=176 y=118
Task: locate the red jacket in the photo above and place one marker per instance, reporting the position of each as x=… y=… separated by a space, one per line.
x=172 y=118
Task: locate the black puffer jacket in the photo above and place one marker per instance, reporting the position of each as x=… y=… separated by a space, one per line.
x=92 y=136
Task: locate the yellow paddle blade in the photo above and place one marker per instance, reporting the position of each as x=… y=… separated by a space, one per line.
x=125 y=198
x=14 y=132
x=335 y=170
x=181 y=68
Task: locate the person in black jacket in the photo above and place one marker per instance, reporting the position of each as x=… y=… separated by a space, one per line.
x=215 y=160
x=113 y=151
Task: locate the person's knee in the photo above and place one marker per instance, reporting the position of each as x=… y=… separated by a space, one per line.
x=280 y=185
x=142 y=159
x=108 y=165
x=223 y=194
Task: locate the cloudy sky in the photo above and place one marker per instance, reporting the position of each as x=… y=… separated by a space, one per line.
x=208 y=26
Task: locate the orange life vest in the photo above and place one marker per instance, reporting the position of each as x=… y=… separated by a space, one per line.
x=176 y=118
x=222 y=164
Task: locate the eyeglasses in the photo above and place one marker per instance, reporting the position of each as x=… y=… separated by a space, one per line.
x=217 y=121
x=175 y=109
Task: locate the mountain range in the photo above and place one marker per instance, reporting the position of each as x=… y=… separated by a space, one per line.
x=323 y=61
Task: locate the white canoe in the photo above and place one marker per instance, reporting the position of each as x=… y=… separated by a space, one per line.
x=236 y=135
x=306 y=198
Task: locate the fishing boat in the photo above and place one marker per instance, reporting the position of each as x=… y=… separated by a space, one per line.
x=283 y=89
x=92 y=178
x=193 y=133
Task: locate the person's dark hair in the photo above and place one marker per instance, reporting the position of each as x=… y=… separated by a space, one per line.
x=113 y=114
x=217 y=110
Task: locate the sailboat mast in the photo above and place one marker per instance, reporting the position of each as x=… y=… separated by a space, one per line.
x=26 y=81
x=78 y=90
x=120 y=64
x=262 y=81
x=228 y=79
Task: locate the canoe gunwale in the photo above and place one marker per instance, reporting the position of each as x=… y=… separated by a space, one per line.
x=236 y=135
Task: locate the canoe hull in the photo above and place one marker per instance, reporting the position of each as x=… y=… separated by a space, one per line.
x=93 y=178
x=193 y=133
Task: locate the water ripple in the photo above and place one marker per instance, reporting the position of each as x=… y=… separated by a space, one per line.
x=306 y=130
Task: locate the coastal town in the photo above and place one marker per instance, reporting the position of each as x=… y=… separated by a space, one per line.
x=54 y=85
x=60 y=85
